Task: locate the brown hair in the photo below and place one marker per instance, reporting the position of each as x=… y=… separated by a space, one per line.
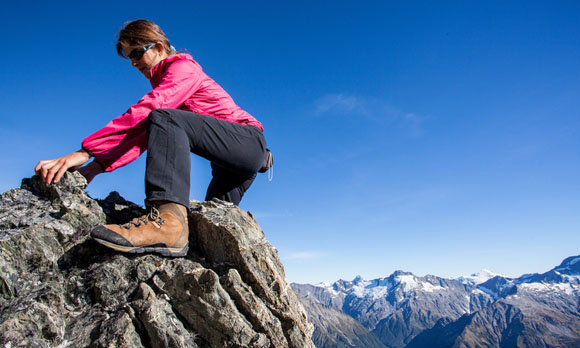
x=141 y=32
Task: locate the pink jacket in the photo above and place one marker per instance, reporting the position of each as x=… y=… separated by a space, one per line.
x=178 y=83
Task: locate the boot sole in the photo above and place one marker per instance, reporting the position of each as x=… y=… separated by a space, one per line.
x=154 y=248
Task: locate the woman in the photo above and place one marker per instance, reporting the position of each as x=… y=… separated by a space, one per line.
x=185 y=112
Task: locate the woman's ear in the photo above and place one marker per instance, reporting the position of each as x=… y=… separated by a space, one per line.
x=160 y=50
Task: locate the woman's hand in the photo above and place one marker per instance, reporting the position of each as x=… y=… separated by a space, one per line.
x=52 y=170
x=90 y=171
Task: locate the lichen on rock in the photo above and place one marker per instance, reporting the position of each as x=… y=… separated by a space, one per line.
x=58 y=288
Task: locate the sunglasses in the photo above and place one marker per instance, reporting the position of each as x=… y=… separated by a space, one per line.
x=137 y=53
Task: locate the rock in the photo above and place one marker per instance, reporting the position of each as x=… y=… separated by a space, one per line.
x=228 y=236
x=254 y=308
x=58 y=288
x=164 y=330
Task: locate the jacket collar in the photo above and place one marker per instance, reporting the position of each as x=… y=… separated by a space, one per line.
x=158 y=70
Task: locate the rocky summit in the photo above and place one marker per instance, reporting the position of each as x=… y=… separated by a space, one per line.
x=59 y=288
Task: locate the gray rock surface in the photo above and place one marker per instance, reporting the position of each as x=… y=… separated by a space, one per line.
x=58 y=288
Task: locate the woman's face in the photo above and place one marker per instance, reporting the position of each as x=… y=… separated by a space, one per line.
x=152 y=56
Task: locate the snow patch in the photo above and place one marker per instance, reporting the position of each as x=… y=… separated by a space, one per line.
x=575 y=279
x=333 y=293
x=478 y=278
x=374 y=289
x=566 y=288
x=428 y=287
x=408 y=282
x=477 y=291
x=490 y=292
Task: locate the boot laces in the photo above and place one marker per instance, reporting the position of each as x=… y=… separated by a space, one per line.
x=153 y=216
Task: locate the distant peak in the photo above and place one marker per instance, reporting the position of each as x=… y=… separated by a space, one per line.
x=479 y=277
x=572 y=260
x=400 y=272
x=570 y=265
x=485 y=272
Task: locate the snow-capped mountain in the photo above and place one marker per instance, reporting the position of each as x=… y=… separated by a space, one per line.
x=570 y=266
x=534 y=310
x=565 y=277
x=479 y=277
x=397 y=308
x=484 y=309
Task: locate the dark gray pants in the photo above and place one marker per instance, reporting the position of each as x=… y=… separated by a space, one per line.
x=236 y=153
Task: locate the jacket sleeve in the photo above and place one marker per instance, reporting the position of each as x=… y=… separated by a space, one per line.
x=124 y=139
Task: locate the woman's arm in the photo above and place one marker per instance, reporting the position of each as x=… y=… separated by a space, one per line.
x=124 y=139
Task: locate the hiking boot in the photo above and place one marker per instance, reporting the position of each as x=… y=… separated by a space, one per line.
x=163 y=230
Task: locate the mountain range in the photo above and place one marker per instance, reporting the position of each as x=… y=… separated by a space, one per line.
x=482 y=310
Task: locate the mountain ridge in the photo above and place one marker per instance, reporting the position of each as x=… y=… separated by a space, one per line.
x=404 y=310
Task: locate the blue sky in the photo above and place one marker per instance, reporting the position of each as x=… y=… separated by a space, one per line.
x=436 y=137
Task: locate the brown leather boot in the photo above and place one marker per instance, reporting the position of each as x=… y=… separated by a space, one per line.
x=163 y=230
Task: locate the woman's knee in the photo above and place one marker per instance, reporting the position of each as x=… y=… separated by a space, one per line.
x=159 y=116
x=176 y=117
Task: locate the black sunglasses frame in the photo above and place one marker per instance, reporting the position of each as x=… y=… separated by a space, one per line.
x=137 y=53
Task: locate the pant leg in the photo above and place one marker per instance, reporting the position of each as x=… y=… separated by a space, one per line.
x=168 y=166
x=227 y=186
x=236 y=150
